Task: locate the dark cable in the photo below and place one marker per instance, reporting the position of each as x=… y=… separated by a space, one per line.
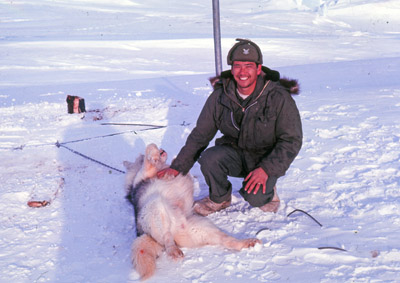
x=306 y=214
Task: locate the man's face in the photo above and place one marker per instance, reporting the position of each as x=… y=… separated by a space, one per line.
x=245 y=75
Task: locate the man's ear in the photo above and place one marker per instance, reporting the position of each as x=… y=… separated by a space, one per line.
x=259 y=69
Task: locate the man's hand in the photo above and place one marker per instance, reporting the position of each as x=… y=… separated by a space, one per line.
x=255 y=180
x=167 y=172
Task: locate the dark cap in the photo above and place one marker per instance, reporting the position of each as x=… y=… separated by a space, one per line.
x=245 y=50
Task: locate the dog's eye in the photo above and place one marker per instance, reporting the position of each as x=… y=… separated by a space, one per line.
x=162 y=151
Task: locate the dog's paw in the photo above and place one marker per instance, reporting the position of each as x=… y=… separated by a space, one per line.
x=248 y=243
x=175 y=253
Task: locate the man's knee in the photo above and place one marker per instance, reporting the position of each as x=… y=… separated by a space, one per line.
x=211 y=164
x=217 y=158
x=219 y=162
x=211 y=155
x=259 y=199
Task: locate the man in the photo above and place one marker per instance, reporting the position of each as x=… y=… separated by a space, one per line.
x=261 y=129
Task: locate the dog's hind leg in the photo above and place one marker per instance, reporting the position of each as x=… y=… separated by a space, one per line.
x=201 y=231
x=232 y=243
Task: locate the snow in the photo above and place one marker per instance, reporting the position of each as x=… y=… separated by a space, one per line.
x=148 y=62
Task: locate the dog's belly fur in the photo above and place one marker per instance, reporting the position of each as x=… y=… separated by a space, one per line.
x=163 y=205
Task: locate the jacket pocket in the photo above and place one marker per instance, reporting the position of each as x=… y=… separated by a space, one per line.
x=264 y=132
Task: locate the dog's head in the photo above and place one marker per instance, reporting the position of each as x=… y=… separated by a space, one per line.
x=157 y=157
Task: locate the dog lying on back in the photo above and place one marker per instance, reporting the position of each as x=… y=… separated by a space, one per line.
x=164 y=216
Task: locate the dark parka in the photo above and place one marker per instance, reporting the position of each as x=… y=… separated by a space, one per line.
x=266 y=126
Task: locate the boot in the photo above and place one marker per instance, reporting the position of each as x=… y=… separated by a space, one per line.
x=273 y=205
x=206 y=206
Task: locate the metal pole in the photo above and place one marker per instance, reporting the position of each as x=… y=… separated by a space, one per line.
x=217 y=37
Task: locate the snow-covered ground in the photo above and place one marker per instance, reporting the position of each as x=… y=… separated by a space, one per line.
x=148 y=62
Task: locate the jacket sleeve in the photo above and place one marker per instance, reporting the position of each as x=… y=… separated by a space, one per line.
x=200 y=137
x=289 y=137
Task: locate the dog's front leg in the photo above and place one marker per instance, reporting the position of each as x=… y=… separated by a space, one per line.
x=171 y=248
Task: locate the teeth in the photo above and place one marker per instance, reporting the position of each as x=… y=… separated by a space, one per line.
x=243 y=79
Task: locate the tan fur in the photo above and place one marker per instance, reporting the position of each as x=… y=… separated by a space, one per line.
x=144 y=252
x=167 y=219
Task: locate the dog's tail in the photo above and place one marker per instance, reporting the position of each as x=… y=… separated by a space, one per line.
x=145 y=251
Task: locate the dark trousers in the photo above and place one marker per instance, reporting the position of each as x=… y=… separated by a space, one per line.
x=221 y=161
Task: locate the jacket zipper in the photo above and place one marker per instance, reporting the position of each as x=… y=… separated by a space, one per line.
x=234 y=123
x=244 y=109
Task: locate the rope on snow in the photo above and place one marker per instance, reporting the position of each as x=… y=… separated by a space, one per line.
x=89 y=158
x=309 y=215
x=305 y=214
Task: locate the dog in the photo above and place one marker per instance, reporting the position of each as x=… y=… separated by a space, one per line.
x=165 y=220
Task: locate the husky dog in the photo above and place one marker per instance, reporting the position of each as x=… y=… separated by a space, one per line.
x=164 y=216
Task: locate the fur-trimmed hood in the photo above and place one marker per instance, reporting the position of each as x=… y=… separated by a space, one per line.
x=291 y=85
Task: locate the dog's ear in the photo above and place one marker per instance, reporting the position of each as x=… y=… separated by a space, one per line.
x=139 y=159
x=134 y=165
x=127 y=164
